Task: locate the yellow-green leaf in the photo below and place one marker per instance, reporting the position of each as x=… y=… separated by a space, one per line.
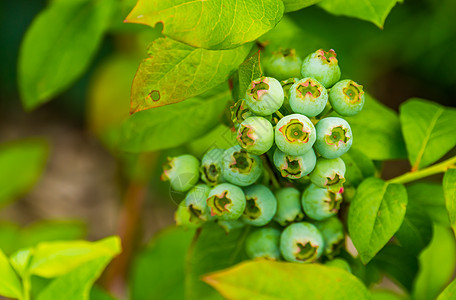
x=10 y=285
x=449 y=189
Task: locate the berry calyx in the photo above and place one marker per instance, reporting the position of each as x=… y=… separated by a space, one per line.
x=264 y=96
x=294 y=166
x=295 y=134
x=334 y=137
x=347 y=97
x=283 y=64
x=329 y=173
x=301 y=242
x=256 y=135
x=320 y=203
x=261 y=205
x=323 y=66
x=226 y=201
x=211 y=167
x=240 y=167
x=308 y=97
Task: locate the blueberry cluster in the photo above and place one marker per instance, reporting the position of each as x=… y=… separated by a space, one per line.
x=288 y=141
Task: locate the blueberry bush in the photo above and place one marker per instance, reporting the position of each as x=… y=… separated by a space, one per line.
x=282 y=168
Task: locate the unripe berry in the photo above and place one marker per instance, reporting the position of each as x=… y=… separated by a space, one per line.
x=288 y=206
x=211 y=167
x=294 y=166
x=295 y=134
x=182 y=172
x=347 y=97
x=263 y=243
x=240 y=167
x=195 y=200
x=261 y=205
x=334 y=137
x=239 y=112
x=332 y=231
x=264 y=96
x=226 y=201
x=308 y=97
x=320 y=203
x=256 y=135
x=322 y=66
x=185 y=218
x=301 y=242
x=329 y=173
x=283 y=64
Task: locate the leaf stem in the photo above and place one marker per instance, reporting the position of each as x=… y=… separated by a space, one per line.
x=279 y=114
x=435 y=169
x=26 y=287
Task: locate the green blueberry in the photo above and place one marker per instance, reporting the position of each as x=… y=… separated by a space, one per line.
x=239 y=112
x=322 y=66
x=332 y=231
x=263 y=243
x=288 y=206
x=185 y=218
x=240 y=167
x=182 y=172
x=339 y=263
x=195 y=200
x=264 y=96
x=226 y=201
x=301 y=242
x=283 y=64
x=334 y=137
x=308 y=97
x=320 y=203
x=255 y=135
x=261 y=205
x=295 y=134
x=329 y=173
x=211 y=167
x=294 y=166
x=347 y=97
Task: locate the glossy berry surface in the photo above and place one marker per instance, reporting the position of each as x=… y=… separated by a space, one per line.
x=263 y=243
x=182 y=172
x=329 y=173
x=295 y=134
x=301 y=242
x=334 y=137
x=288 y=206
x=332 y=231
x=261 y=205
x=283 y=64
x=264 y=96
x=255 y=135
x=240 y=167
x=320 y=203
x=323 y=66
x=347 y=97
x=226 y=201
x=308 y=97
x=195 y=200
x=211 y=167
x=294 y=166
x=185 y=218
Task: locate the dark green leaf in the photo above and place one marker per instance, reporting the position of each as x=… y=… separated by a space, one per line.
x=175 y=72
x=430 y=197
x=449 y=189
x=449 y=293
x=97 y=293
x=248 y=71
x=428 y=130
x=270 y=280
x=10 y=286
x=375 y=214
x=59 y=46
x=358 y=166
x=293 y=5
x=211 y=24
x=158 y=272
x=21 y=164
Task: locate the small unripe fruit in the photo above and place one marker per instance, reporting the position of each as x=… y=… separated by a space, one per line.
x=239 y=112
x=320 y=203
x=288 y=206
x=322 y=66
x=256 y=135
x=211 y=167
x=294 y=166
x=283 y=64
x=226 y=201
x=301 y=242
x=240 y=167
x=334 y=137
x=261 y=205
x=332 y=231
x=295 y=134
x=264 y=96
x=308 y=97
x=347 y=97
x=182 y=172
x=263 y=243
x=185 y=218
x=195 y=200
x=329 y=173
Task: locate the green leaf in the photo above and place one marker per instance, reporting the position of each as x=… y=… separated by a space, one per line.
x=449 y=189
x=175 y=72
x=386 y=295
x=268 y=280
x=437 y=265
x=374 y=11
x=415 y=232
x=428 y=130
x=376 y=131
x=21 y=164
x=10 y=285
x=20 y=260
x=249 y=70
x=158 y=272
x=293 y=5
x=97 y=293
x=52 y=259
x=221 y=137
x=375 y=214
x=59 y=46
x=173 y=125
x=449 y=293
x=214 y=250
x=358 y=166
x=211 y=24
